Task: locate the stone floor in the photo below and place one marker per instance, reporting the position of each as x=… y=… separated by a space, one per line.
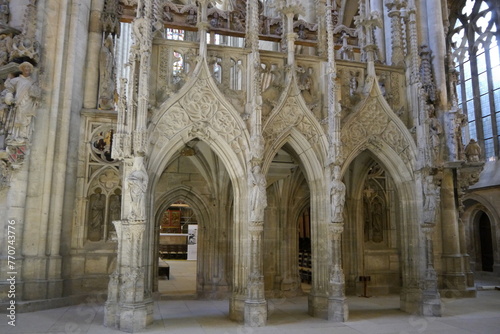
x=375 y=315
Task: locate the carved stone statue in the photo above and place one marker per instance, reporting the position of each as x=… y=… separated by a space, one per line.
x=138 y=184
x=337 y=193
x=435 y=131
x=96 y=215
x=473 y=151
x=107 y=75
x=431 y=193
x=4 y=12
x=115 y=206
x=5 y=48
x=22 y=94
x=258 y=199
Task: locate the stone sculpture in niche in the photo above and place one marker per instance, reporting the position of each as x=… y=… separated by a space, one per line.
x=473 y=151
x=137 y=183
x=22 y=93
x=435 y=131
x=337 y=193
x=258 y=200
x=106 y=75
x=96 y=215
x=115 y=206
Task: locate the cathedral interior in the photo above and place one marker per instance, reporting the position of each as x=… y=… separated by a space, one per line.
x=285 y=148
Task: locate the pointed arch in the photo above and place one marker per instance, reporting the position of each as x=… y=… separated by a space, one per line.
x=200 y=110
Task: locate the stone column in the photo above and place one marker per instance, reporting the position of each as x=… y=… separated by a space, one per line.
x=396 y=33
x=337 y=304
x=377 y=5
x=128 y=307
x=256 y=304
x=94 y=45
x=453 y=271
x=438 y=46
x=431 y=302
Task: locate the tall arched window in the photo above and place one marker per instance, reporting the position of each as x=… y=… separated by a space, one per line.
x=474 y=40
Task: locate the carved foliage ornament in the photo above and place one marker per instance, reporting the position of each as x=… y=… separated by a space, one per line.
x=201 y=109
x=372 y=124
x=291 y=116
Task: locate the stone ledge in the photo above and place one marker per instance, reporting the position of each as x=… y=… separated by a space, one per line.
x=43 y=304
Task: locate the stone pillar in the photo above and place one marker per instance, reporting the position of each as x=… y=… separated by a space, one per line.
x=396 y=33
x=94 y=45
x=453 y=271
x=378 y=6
x=431 y=303
x=438 y=46
x=337 y=304
x=256 y=304
x=128 y=307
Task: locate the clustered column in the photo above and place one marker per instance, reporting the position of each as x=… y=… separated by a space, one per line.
x=396 y=32
x=129 y=306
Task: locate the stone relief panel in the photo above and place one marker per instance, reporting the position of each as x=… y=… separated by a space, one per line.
x=101 y=187
x=201 y=109
x=373 y=124
x=273 y=83
x=392 y=85
x=291 y=116
x=175 y=65
x=100 y=147
x=307 y=74
x=376 y=206
x=228 y=70
x=351 y=81
x=104 y=205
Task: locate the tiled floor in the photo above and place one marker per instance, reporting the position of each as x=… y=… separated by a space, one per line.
x=182 y=280
x=375 y=315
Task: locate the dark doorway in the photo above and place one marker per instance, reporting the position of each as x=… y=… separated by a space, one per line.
x=486 y=243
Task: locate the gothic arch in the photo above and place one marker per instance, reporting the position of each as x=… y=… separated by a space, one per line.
x=200 y=209
x=293 y=113
x=319 y=200
x=408 y=215
x=477 y=205
x=200 y=110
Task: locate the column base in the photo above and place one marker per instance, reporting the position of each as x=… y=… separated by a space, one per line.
x=128 y=317
x=318 y=306
x=237 y=308
x=456 y=285
x=255 y=313
x=431 y=304
x=338 y=310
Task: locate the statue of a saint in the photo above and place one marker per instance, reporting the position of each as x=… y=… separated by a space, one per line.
x=96 y=215
x=337 y=193
x=23 y=94
x=107 y=75
x=258 y=200
x=138 y=184
x=473 y=151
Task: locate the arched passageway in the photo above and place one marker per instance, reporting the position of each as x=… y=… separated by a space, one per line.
x=372 y=238
x=485 y=243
